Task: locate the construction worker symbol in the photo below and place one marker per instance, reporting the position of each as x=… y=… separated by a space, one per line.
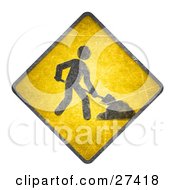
x=79 y=69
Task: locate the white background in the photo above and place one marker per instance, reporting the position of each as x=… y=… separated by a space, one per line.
x=148 y=24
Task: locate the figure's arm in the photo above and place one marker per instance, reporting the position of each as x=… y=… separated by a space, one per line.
x=88 y=83
x=60 y=68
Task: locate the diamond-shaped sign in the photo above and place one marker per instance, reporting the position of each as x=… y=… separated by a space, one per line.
x=87 y=87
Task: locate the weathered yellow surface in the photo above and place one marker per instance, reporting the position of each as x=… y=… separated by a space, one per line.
x=112 y=71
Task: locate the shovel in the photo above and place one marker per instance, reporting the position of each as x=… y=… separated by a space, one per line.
x=106 y=99
x=115 y=109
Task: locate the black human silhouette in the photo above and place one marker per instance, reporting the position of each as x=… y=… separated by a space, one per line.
x=78 y=70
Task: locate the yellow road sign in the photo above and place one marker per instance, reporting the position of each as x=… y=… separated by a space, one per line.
x=87 y=87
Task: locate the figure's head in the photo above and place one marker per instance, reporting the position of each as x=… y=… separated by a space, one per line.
x=83 y=52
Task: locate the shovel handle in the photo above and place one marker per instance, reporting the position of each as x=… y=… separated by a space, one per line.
x=101 y=97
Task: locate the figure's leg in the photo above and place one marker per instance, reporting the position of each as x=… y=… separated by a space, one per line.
x=86 y=108
x=85 y=102
x=65 y=102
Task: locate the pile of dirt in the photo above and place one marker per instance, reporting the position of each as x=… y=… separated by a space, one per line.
x=115 y=109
